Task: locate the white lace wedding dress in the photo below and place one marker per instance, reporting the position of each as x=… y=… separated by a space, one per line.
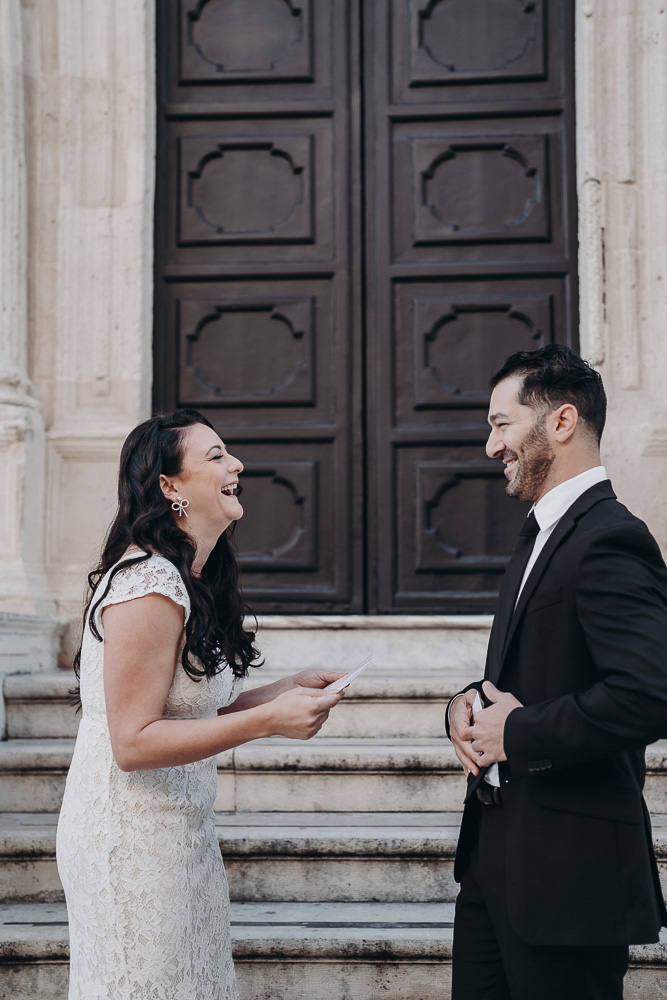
x=137 y=852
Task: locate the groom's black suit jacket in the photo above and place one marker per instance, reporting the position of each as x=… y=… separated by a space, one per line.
x=586 y=654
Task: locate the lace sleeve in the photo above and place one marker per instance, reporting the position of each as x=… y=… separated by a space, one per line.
x=152 y=576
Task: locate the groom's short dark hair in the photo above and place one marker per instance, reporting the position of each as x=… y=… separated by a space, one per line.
x=554 y=375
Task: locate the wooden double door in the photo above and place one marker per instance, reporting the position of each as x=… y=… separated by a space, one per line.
x=362 y=207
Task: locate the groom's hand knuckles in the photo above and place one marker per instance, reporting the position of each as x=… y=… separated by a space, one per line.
x=458 y=724
x=460 y=709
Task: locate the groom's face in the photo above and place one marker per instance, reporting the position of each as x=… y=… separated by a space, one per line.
x=519 y=437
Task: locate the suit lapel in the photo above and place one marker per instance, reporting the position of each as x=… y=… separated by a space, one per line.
x=558 y=535
x=499 y=644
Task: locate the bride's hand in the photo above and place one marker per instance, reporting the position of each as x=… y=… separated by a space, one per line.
x=316 y=678
x=301 y=711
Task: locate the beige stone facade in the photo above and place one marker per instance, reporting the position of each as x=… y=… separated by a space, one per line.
x=77 y=133
x=621 y=66
x=77 y=122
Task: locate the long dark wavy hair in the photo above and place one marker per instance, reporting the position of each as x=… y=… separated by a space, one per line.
x=214 y=633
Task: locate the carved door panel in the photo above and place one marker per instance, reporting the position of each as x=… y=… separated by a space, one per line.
x=257 y=256
x=471 y=255
x=362 y=208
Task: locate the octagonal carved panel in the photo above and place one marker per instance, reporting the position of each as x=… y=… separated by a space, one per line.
x=477 y=190
x=280 y=502
x=458 y=343
x=255 y=352
x=469 y=41
x=246 y=189
x=460 y=517
x=234 y=41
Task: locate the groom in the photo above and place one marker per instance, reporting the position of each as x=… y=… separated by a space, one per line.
x=555 y=856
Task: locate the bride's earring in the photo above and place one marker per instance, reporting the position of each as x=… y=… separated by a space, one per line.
x=180 y=504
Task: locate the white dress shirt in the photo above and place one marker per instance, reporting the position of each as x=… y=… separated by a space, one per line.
x=548 y=512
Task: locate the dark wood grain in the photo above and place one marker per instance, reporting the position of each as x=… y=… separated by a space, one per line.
x=361 y=209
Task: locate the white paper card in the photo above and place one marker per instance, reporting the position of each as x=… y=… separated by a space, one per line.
x=346 y=679
x=477 y=704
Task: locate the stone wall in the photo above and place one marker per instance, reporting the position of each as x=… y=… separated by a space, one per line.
x=622 y=181
x=77 y=125
x=89 y=111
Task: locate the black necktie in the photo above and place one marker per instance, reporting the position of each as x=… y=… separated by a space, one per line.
x=512 y=580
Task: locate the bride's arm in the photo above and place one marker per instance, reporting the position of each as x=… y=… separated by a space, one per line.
x=267 y=692
x=141 y=643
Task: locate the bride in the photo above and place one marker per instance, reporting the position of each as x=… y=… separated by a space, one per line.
x=161 y=668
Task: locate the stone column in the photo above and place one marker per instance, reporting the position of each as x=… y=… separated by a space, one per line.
x=90 y=109
x=29 y=633
x=621 y=51
x=23 y=586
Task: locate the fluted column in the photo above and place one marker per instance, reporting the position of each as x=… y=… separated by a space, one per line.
x=91 y=107
x=621 y=58
x=23 y=587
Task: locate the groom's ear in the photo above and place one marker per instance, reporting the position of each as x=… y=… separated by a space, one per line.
x=564 y=422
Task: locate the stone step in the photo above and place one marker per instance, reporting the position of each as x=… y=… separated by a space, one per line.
x=379 y=704
x=278 y=775
x=27 y=643
x=400 y=643
x=293 y=857
x=273 y=775
x=325 y=951
x=421 y=660
x=289 y=857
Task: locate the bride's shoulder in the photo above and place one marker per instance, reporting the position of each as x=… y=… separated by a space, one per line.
x=138 y=566
x=148 y=563
x=139 y=573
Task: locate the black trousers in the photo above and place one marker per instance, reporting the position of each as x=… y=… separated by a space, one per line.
x=490 y=961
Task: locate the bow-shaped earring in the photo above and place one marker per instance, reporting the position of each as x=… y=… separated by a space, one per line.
x=180 y=504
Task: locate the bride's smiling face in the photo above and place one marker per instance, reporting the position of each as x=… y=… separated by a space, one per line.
x=208 y=480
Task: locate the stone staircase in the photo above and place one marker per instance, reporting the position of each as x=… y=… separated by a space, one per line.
x=338 y=851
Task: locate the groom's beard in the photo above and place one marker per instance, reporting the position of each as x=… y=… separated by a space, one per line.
x=533 y=464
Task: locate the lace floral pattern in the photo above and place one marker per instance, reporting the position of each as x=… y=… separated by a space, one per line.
x=138 y=856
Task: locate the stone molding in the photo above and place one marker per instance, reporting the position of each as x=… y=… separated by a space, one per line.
x=380 y=622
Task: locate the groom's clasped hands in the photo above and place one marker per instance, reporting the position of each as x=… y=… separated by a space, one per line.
x=478 y=736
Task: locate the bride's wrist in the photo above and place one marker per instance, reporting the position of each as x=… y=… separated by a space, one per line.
x=281 y=686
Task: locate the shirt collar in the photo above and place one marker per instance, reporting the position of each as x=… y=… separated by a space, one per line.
x=553 y=504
